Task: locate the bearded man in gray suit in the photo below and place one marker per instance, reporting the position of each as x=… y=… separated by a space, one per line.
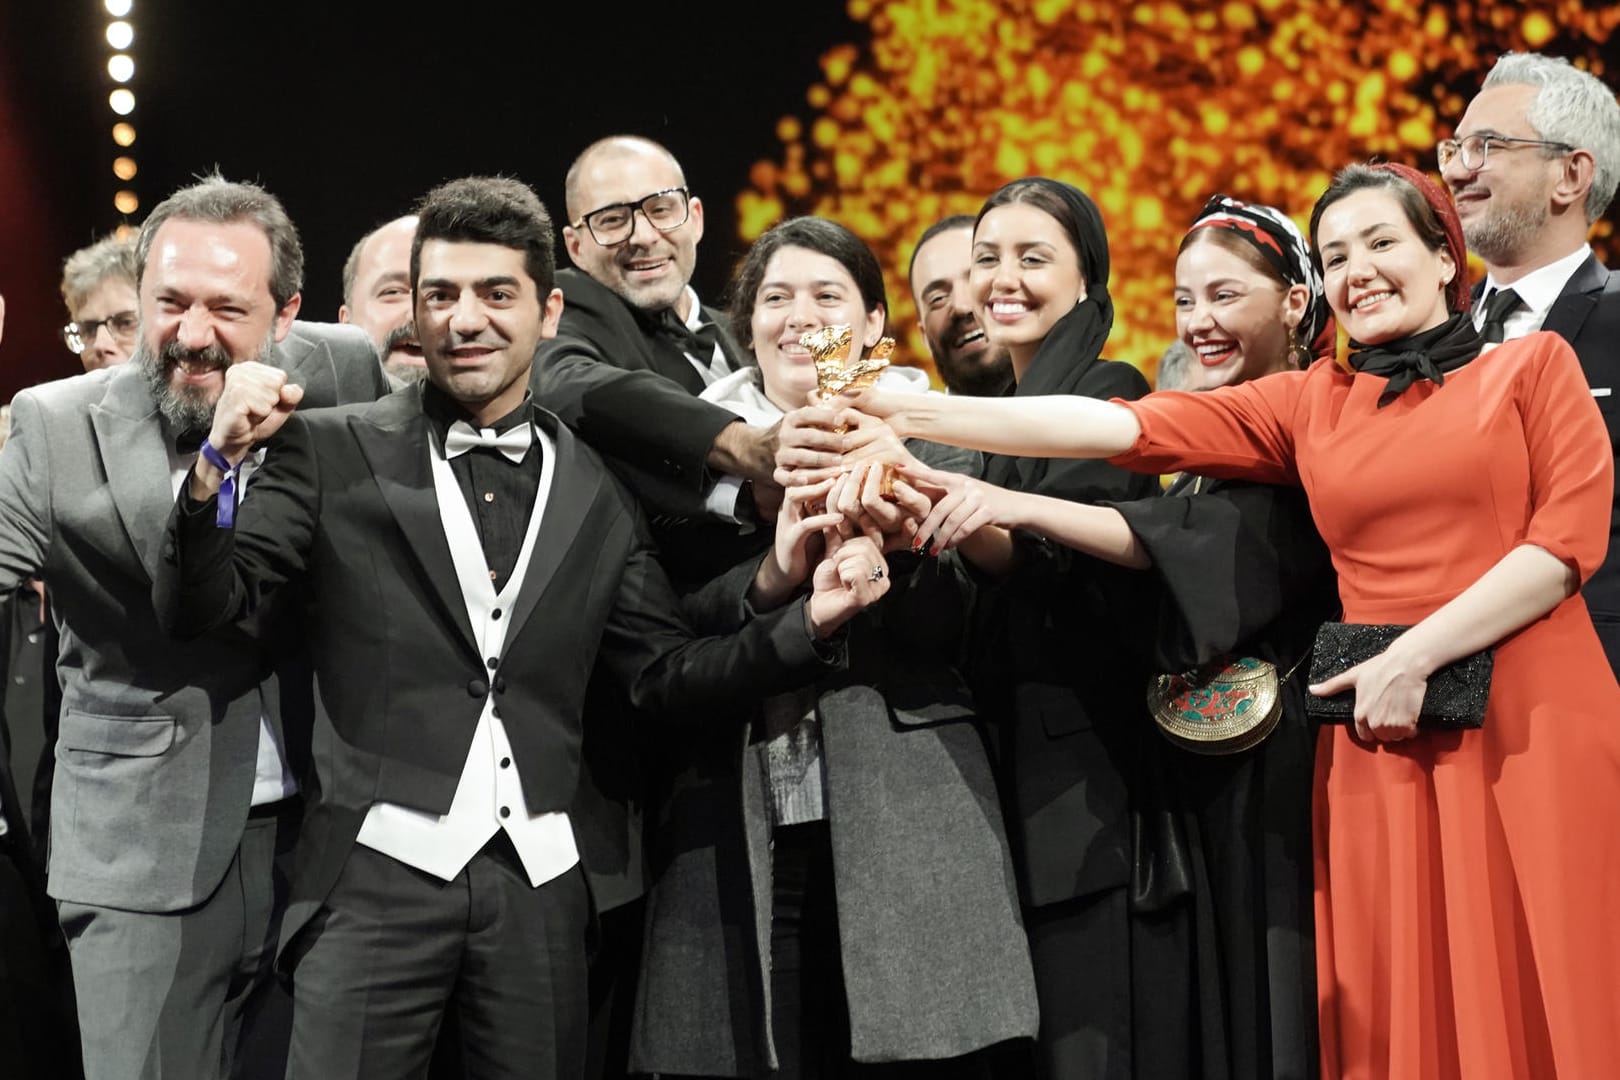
x=175 y=767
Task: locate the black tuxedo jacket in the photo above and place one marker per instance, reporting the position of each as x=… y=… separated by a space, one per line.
x=346 y=502
x=1587 y=315
x=632 y=394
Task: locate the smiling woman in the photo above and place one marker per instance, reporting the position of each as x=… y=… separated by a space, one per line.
x=1463 y=925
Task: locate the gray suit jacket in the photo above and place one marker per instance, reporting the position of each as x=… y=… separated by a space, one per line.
x=155 y=755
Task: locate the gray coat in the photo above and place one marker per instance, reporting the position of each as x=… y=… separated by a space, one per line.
x=156 y=751
x=934 y=956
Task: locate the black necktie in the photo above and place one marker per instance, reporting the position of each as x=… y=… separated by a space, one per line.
x=698 y=344
x=1498 y=306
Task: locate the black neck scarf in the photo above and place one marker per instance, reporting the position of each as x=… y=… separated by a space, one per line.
x=1426 y=355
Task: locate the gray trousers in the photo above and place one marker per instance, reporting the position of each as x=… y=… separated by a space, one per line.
x=392 y=949
x=173 y=994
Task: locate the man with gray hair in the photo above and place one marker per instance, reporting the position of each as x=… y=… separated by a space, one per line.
x=1534 y=163
x=98 y=286
x=175 y=766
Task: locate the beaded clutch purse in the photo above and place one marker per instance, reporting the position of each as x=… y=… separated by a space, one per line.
x=1456 y=695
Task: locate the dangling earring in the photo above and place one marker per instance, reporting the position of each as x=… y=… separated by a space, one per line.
x=1299 y=349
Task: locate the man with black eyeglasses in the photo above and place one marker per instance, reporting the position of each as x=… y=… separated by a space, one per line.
x=1534 y=163
x=98 y=286
x=633 y=235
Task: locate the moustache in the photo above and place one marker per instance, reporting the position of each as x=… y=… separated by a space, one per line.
x=400 y=336
x=209 y=358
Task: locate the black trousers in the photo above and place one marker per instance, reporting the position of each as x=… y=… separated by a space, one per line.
x=393 y=949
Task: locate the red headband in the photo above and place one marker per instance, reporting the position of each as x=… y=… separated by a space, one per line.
x=1457 y=293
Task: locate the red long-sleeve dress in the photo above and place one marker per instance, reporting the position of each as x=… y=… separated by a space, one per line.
x=1467 y=884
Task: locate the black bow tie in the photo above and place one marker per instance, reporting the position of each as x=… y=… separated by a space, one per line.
x=698 y=344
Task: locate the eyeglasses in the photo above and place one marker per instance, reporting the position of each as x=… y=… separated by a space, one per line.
x=1476 y=148
x=613 y=224
x=79 y=336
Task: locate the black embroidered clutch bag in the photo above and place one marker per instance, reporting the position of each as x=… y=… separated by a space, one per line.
x=1456 y=694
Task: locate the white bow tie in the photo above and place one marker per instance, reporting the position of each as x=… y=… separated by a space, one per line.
x=513 y=442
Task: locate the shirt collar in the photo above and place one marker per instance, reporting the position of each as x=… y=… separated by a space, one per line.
x=1540 y=287
x=442 y=410
x=694 y=310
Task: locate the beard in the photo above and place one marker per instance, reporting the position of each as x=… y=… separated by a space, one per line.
x=187 y=408
x=1501 y=236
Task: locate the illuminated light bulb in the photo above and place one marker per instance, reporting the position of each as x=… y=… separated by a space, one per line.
x=118 y=8
x=124 y=168
x=120 y=67
x=126 y=202
x=120 y=34
x=122 y=101
x=123 y=134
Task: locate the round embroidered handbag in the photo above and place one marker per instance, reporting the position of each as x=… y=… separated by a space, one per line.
x=1223 y=707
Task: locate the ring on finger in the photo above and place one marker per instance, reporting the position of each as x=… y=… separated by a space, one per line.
x=876 y=574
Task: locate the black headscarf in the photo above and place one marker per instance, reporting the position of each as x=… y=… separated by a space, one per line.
x=1079 y=336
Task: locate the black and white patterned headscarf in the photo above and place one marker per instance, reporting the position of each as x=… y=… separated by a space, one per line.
x=1285 y=249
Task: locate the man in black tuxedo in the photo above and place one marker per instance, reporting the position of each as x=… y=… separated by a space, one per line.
x=631 y=315
x=470 y=562
x=1535 y=161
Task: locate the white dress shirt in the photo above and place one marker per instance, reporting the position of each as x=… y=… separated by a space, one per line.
x=1537 y=290
x=489 y=795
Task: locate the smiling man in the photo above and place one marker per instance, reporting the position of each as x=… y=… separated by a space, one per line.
x=377 y=297
x=1533 y=164
x=174 y=766
x=469 y=562
x=636 y=347
x=938 y=274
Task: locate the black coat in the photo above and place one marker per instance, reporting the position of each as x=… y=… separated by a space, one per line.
x=346 y=502
x=1050 y=661
x=1587 y=315
x=628 y=392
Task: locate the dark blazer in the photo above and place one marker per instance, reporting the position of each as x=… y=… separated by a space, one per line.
x=632 y=394
x=1587 y=315
x=1050 y=663
x=157 y=745
x=345 y=502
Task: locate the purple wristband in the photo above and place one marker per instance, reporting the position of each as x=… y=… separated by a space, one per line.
x=225 y=516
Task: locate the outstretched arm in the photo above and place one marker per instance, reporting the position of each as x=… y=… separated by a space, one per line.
x=1060 y=426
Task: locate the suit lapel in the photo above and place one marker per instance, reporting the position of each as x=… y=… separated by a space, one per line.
x=574 y=484
x=394 y=438
x=308 y=363
x=130 y=440
x=1578 y=300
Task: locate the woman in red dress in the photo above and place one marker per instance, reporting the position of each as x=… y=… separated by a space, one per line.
x=1467 y=883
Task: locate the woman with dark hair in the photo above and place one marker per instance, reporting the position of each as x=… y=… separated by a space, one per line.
x=1242 y=578
x=1050 y=664
x=1464 y=879
x=833 y=890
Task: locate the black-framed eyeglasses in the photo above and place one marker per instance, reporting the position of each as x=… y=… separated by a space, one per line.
x=613 y=224
x=1475 y=149
x=79 y=336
